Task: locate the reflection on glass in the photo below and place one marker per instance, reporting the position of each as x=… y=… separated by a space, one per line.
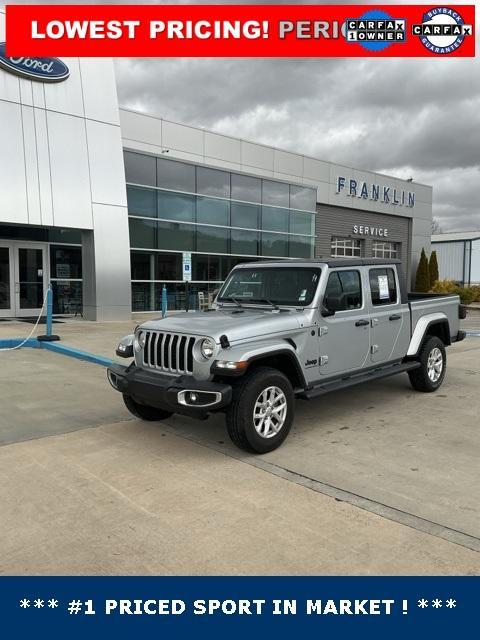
x=30 y=270
x=174 y=206
x=177 y=176
x=141 y=202
x=275 y=219
x=212 y=182
x=212 y=211
x=274 y=244
x=4 y=278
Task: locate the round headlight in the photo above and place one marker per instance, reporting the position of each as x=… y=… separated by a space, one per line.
x=139 y=340
x=207 y=347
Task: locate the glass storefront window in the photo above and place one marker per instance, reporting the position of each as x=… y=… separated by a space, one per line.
x=245 y=215
x=168 y=266
x=246 y=188
x=274 y=244
x=143 y=233
x=212 y=211
x=275 y=219
x=174 y=206
x=213 y=182
x=302 y=223
x=176 y=176
x=301 y=247
x=65 y=236
x=275 y=193
x=212 y=239
x=172 y=235
x=303 y=198
x=65 y=262
x=141 y=265
x=67 y=297
x=245 y=242
x=141 y=202
x=207 y=267
x=140 y=168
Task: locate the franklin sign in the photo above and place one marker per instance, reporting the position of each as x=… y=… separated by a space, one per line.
x=39 y=69
x=376 y=192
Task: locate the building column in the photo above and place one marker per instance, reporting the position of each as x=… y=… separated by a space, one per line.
x=106 y=265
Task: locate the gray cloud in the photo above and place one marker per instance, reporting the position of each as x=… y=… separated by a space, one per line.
x=407 y=117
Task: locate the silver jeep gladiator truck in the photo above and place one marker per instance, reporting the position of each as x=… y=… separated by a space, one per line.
x=283 y=330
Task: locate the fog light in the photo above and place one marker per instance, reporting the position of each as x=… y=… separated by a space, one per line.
x=198 y=398
x=112 y=378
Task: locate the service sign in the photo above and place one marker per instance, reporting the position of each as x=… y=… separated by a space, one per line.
x=39 y=69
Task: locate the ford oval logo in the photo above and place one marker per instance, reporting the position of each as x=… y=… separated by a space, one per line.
x=40 y=69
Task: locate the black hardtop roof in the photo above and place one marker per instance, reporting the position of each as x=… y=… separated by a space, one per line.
x=330 y=262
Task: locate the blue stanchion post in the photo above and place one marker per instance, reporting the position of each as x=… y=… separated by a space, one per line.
x=164 y=301
x=49 y=336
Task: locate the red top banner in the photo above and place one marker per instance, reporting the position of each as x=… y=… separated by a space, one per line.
x=241 y=30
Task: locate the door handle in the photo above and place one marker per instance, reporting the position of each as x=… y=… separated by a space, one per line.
x=396 y=316
x=361 y=323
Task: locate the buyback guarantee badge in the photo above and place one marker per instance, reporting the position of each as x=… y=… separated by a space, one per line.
x=442 y=31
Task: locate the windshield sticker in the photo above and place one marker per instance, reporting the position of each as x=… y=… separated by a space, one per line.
x=302 y=296
x=383 y=289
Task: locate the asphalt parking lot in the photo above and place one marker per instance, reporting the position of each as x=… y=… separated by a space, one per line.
x=85 y=488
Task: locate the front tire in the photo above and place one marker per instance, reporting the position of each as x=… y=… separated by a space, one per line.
x=433 y=365
x=145 y=412
x=261 y=413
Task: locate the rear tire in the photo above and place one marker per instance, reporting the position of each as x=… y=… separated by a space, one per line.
x=261 y=413
x=433 y=365
x=145 y=412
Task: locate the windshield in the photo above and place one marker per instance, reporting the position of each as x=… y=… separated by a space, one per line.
x=291 y=286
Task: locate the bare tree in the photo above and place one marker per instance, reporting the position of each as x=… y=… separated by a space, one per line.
x=436 y=227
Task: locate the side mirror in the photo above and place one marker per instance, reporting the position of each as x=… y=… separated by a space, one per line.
x=326 y=312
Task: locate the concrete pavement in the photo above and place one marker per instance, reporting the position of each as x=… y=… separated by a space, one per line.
x=365 y=473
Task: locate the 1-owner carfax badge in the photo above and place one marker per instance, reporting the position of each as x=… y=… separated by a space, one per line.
x=39 y=69
x=442 y=31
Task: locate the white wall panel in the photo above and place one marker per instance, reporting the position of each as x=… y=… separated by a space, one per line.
x=288 y=163
x=31 y=166
x=184 y=138
x=38 y=92
x=43 y=164
x=13 y=191
x=70 y=171
x=475 y=263
x=222 y=147
x=26 y=92
x=255 y=155
x=107 y=173
x=66 y=97
x=450 y=256
x=140 y=127
x=9 y=87
x=99 y=89
x=316 y=170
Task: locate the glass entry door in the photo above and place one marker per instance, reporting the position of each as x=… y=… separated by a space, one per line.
x=7 y=303
x=30 y=278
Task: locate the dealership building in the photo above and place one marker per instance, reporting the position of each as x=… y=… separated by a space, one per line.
x=111 y=205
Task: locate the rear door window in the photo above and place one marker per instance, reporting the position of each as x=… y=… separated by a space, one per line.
x=383 y=287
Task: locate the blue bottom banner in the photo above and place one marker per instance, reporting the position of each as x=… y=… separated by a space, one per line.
x=176 y=607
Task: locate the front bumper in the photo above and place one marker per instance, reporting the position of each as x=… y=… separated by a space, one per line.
x=169 y=393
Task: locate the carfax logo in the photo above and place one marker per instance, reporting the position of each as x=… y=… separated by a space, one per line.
x=442 y=31
x=375 y=30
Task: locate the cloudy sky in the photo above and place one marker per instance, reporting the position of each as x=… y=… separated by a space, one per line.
x=412 y=118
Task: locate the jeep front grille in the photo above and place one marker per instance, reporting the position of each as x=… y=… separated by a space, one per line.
x=170 y=352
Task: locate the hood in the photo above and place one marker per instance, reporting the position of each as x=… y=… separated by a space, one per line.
x=235 y=324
